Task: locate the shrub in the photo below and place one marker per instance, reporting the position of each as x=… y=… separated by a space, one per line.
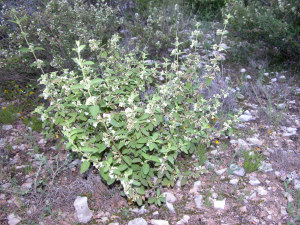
x=155 y=27
x=276 y=23
x=54 y=26
x=207 y=9
x=128 y=123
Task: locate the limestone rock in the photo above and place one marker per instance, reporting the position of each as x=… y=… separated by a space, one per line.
x=159 y=222
x=84 y=214
x=138 y=221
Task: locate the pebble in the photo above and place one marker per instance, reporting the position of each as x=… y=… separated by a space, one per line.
x=248 y=77
x=254 y=181
x=84 y=214
x=138 y=221
x=170 y=207
x=170 y=197
x=236 y=170
x=2 y=142
x=255 y=141
x=234 y=181
x=290 y=131
x=159 y=222
x=262 y=191
x=113 y=224
x=7 y=127
x=196 y=187
x=184 y=220
x=246 y=118
x=221 y=171
x=297 y=184
x=13 y=220
x=155 y=213
x=198 y=201
x=219 y=204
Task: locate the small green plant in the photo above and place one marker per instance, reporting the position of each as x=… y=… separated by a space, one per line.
x=252 y=161
x=34 y=122
x=201 y=154
x=8 y=114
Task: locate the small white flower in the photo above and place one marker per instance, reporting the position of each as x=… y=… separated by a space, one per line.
x=243 y=70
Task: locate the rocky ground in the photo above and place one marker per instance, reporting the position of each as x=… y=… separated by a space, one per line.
x=41 y=182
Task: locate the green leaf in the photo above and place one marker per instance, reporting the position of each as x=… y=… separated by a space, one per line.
x=139 y=201
x=89 y=149
x=208 y=82
x=115 y=123
x=25 y=50
x=94 y=110
x=136 y=183
x=104 y=54
x=84 y=166
x=89 y=63
x=96 y=81
x=122 y=167
x=136 y=160
x=127 y=159
x=183 y=181
x=76 y=86
x=101 y=147
x=151 y=200
x=144 y=117
x=171 y=160
x=142 y=141
x=145 y=168
x=141 y=191
x=155 y=158
x=151 y=146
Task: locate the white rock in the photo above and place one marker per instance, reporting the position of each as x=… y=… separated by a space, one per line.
x=184 y=220
x=234 y=181
x=262 y=191
x=84 y=214
x=297 y=184
x=266 y=74
x=159 y=222
x=248 y=77
x=197 y=187
x=170 y=197
x=155 y=213
x=209 y=165
x=219 y=204
x=2 y=196
x=26 y=185
x=221 y=171
x=282 y=77
x=236 y=170
x=2 y=142
x=247 y=113
x=273 y=80
x=290 y=131
x=243 y=70
x=255 y=141
x=214 y=152
x=254 y=181
x=283 y=211
x=113 y=224
x=138 y=221
x=198 y=201
x=265 y=167
x=246 y=118
x=7 y=127
x=242 y=145
x=170 y=207
x=281 y=106
x=13 y=220
x=140 y=211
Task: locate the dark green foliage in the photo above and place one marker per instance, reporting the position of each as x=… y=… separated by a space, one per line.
x=275 y=23
x=207 y=9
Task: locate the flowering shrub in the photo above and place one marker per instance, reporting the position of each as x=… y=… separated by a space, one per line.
x=126 y=123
